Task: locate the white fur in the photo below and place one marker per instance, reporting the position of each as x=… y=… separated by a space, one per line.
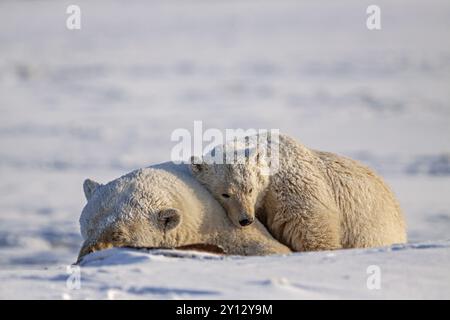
x=315 y=201
x=164 y=206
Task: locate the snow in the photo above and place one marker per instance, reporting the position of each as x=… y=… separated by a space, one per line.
x=406 y=271
x=104 y=100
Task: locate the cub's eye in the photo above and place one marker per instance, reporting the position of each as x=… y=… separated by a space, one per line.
x=225 y=195
x=250 y=190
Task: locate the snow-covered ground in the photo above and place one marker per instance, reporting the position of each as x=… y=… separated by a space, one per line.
x=406 y=272
x=103 y=100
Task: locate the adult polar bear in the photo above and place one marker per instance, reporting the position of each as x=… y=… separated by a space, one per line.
x=164 y=206
x=314 y=201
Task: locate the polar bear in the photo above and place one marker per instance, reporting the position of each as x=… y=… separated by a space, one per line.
x=164 y=206
x=314 y=201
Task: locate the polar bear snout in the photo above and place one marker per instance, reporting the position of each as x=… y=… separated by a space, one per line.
x=245 y=219
x=90 y=247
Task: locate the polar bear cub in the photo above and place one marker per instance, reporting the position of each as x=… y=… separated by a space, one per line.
x=313 y=201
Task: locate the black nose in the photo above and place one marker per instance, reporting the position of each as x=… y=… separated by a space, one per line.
x=245 y=222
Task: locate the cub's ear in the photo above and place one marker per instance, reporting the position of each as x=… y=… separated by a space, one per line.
x=169 y=219
x=89 y=187
x=197 y=164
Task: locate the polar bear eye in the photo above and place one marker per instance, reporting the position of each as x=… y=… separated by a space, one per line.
x=225 y=195
x=250 y=190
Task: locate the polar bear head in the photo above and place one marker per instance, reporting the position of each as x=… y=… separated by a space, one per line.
x=239 y=183
x=163 y=206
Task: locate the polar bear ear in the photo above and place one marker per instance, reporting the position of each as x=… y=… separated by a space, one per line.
x=197 y=164
x=169 y=219
x=89 y=187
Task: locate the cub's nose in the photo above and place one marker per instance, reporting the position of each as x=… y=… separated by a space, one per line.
x=245 y=222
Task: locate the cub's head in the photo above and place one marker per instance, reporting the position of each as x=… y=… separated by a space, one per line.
x=127 y=213
x=239 y=187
